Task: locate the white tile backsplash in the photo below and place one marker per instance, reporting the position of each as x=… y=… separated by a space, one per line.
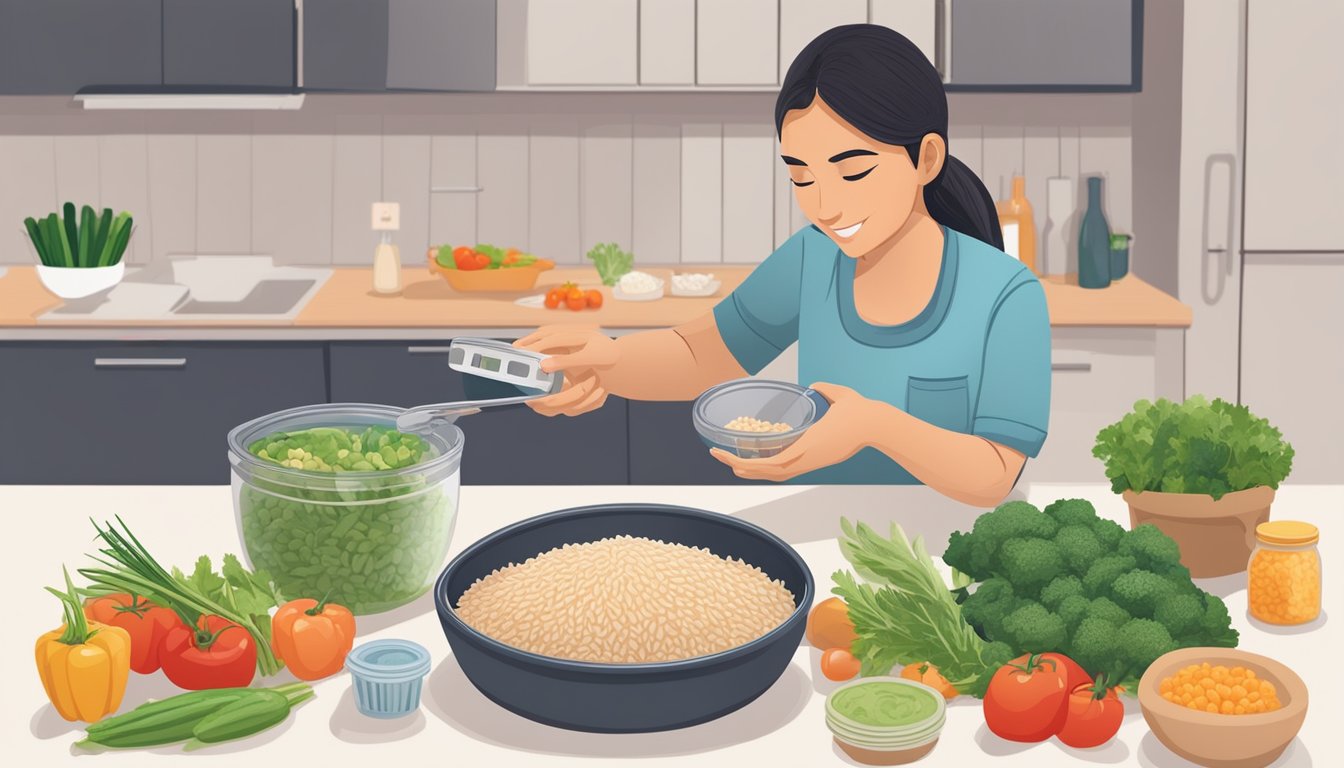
x=673 y=177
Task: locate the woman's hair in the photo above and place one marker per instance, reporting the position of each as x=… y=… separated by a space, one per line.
x=882 y=84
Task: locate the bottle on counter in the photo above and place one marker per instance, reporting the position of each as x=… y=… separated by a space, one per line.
x=1094 y=241
x=1019 y=228
x=1284 y=575
x=386 y=257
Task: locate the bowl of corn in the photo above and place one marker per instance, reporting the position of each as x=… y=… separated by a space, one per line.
x=1223 y=707
x=756 y=418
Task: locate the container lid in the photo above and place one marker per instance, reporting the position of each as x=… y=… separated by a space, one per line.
x=389 y=660
x=1287 y=532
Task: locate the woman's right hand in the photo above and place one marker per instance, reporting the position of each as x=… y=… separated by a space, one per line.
x=582 y=354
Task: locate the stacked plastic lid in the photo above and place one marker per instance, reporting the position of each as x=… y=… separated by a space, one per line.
x=913 y=736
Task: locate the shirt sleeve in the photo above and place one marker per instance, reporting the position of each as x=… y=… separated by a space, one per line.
x=1014 y=404
x=759 y=319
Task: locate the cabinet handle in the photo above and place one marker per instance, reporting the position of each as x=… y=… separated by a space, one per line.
x=140 y=362
x=452 y=190
x=1082 y=367
x=428 y=350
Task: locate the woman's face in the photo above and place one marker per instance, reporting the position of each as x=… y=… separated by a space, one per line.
x=857 y=190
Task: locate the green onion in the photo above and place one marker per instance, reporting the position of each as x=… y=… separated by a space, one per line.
x=88 y=240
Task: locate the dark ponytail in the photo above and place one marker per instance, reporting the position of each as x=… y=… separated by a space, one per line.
x=882 y=84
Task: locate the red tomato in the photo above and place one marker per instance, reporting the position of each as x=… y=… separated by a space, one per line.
x=1026 y=699
x=576 y=302
x=595 y=299
x=220 y=655
x=1074 y=674
x=1094 y=714
x=839 y=664
x=482 y=261
x=552 y=300
x=145 y=622
x=464 y=258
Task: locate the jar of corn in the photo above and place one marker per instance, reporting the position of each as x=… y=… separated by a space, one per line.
x=1284 y=581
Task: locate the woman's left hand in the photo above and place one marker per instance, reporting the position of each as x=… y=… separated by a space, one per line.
x=837 y=436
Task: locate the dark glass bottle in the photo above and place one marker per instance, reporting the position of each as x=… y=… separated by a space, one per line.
x=1094 y=241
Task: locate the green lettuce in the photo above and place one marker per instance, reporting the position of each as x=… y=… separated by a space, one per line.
x=611 y=262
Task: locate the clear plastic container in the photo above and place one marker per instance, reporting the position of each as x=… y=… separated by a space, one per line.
x=388 y=677
x=1283 y=585
x=368 y=540
x=772 y=401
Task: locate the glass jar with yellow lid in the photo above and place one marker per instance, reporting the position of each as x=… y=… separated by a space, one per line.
x=1284 y=581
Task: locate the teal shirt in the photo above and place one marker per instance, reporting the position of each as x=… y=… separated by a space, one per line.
x=975 y=360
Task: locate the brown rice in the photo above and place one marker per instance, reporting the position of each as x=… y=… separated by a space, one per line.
x=626 y=600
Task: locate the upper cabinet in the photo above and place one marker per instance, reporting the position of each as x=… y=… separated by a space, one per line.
x=919 y=20
x=404 y=45
x=667 y=42
x=1043 y=45
x=243 y=43
x=582 y=42
x=737 y=42
x=60 y=46
x=800 y=21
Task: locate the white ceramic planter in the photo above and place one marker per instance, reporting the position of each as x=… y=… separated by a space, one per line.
x=78 y=282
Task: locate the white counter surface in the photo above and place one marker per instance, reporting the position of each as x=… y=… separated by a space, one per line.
x=457 y=726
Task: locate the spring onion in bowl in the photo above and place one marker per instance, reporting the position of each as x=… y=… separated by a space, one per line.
x=86 y=240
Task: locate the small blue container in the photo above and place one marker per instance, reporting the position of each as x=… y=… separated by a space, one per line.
x=388 y=676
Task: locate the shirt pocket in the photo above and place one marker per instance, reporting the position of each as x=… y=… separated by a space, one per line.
x=941 y=402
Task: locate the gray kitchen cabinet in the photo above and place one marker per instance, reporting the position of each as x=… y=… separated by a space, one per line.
x=111 y=413
x=245 y=43
x=800 y=21
x=665 y=449
x=918 y=20
x=582 y=42
x=737 y=43
x=1294 y=103
x=410 y=45
x=1292 y=370
x=666 y=42
x=61 y=46
x=504 y=446
x=1044 y=45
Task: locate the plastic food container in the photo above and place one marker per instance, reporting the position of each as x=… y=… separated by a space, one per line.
x=388 y=676
x=873 y=744
x=1284 y=585
x=367 y=540
x=773 y=401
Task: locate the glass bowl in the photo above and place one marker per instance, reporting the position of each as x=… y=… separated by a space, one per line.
x=773 y=401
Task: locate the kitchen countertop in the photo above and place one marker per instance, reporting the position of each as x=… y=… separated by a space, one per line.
x=346 y=308
x=784 y=727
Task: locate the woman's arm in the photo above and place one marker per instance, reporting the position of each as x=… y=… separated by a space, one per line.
x=968 y=468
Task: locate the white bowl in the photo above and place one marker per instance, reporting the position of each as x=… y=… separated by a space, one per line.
x=710 y=289
x=654 y=295
x=78 y=282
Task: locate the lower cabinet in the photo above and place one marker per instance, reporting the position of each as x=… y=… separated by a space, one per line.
x=141 y=413
x=665 y=449
x=505 y=446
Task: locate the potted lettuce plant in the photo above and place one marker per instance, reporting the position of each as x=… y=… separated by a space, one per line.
x=1203 y=472
x=80 y=256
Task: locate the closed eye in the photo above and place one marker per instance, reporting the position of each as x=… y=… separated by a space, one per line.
x=858 y=176
x=801 y=183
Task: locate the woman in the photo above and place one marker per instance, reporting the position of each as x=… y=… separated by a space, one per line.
x=931 y=343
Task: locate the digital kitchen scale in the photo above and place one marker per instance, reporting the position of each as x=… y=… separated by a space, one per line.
x=494 y=374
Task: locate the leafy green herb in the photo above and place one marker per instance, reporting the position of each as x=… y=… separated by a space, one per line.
x=245 y=593
x=907 y=614
x=1193 y=447
x=495 y=253
x=611 y=262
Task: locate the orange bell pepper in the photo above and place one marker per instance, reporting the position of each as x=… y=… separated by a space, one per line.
x=312 y=637
x=83 y=664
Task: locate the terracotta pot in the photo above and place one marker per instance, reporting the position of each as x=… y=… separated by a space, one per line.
x=1216 y=537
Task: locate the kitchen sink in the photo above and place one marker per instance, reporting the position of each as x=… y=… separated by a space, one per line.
x=269 y=297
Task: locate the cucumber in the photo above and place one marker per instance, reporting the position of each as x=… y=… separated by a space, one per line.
x=87 y=227
x=35 y=234
x=168 y=721
x=71 y=228
x=243 y=717
x=121 y=225
x=100 y=236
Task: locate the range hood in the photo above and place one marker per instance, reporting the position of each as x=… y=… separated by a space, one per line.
x=188 y=97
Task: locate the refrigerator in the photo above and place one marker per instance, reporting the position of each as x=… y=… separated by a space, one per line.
x=1261 y=231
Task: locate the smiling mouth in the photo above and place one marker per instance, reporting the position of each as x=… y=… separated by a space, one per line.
x=848 y=232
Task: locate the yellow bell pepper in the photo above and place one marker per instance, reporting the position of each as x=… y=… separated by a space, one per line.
x=83 y=664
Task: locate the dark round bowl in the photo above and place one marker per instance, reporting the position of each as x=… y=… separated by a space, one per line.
x=624 y=698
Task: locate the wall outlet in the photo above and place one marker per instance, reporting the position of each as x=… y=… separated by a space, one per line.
x=386 y=216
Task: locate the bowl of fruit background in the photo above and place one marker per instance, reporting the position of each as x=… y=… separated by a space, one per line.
x=487 y=268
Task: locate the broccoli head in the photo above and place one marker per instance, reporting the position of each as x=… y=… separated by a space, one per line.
x=1029 y=564
x=1073 y=610
x=1151 y=548
x=1140 y=591
x=986 y=607
x=1093 y=646
x=1217 y=624
x=1109 y=533
x=1179 y=613
x=1033 y=629
x=1106 y=610
x=1097 y=581
x=1140 y=642
x=1072 y=512
x=976 y=553
x=1062 y=587
x=1079 y=547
